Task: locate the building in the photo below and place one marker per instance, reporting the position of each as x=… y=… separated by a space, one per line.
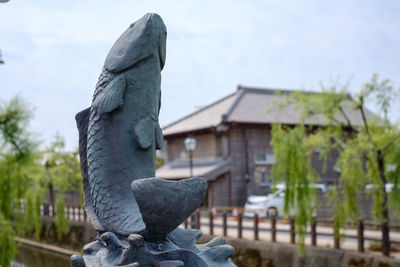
x=233 y=150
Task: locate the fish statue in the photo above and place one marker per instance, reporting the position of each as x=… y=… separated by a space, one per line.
x=120 y=132
x=136 y=214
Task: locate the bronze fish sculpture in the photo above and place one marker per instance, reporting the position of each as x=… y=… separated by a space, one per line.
x=136 y=215
x=120 y=132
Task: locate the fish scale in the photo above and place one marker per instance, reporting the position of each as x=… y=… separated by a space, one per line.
x=108 y=212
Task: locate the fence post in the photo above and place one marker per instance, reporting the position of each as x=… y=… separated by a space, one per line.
x=314 y=232
x=292 y=231
x=336 y=241
x=84 y=215
x=46 y=209
x=273 y=228
x=360 y=235
x=255 y=226
x=193 y=220
x=336 y=237
x=186 y=223
x=240 y=225
x=224 y=226
x=69 y=213
x=198 y=219
x=81 y=214
x=211 y=222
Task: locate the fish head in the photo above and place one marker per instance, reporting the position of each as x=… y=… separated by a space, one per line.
x=143 y=38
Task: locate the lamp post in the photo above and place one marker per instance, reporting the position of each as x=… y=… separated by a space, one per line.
x=1 y=60
x=190 y=145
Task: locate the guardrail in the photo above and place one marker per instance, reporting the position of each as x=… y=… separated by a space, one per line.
x=210 y=217
x=211 y=220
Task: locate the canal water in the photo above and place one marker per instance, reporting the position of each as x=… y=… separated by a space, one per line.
x=34 y=257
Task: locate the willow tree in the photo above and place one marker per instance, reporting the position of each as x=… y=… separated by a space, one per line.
x=60 y=172
x=17 y=163
x=368 y=145
x=293 y=167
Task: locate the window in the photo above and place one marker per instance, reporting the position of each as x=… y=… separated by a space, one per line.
x=261 y=157
x=264 y=158
x=263 y=178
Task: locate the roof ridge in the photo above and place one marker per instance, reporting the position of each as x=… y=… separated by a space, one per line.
x=234 y=105
x=267 y=90
x=200 y=110
x=249 y=89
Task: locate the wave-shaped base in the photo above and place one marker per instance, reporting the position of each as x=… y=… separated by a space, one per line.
x=178 y=249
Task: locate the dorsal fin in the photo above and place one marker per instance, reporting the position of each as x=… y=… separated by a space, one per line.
x=82 y=121
x=111 y=97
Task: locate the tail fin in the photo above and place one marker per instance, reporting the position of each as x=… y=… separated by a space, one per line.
x=82 y=121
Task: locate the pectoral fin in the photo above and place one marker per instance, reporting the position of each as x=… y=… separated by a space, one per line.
x=159 y=137
x=111 y=97
x=144 y=133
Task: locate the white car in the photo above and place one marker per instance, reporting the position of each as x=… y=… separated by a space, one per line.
x=271 y=203
x=265 y=204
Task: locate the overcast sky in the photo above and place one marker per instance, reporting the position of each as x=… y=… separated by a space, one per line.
x=54 y=50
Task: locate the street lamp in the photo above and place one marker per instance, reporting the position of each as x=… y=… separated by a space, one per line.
x=1 y=60
x=190 y=145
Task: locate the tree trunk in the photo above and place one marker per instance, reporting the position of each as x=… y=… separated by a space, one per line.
x=51 y=194
x=384 y=203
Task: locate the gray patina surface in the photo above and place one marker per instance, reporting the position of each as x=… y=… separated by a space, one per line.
x=136 y=215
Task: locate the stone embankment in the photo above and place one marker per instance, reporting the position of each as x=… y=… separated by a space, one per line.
x=251 y=253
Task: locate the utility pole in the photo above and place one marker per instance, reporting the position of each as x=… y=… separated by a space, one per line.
x=1 y=60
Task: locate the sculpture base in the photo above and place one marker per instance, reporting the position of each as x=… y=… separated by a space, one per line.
x=178 y=249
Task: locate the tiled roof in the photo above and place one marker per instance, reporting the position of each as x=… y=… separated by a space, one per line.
x=208 y=116
x=252 y=105
x=176 y=170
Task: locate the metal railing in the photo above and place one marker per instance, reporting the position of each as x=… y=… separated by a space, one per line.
x=257 y=228
x=212 y=220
